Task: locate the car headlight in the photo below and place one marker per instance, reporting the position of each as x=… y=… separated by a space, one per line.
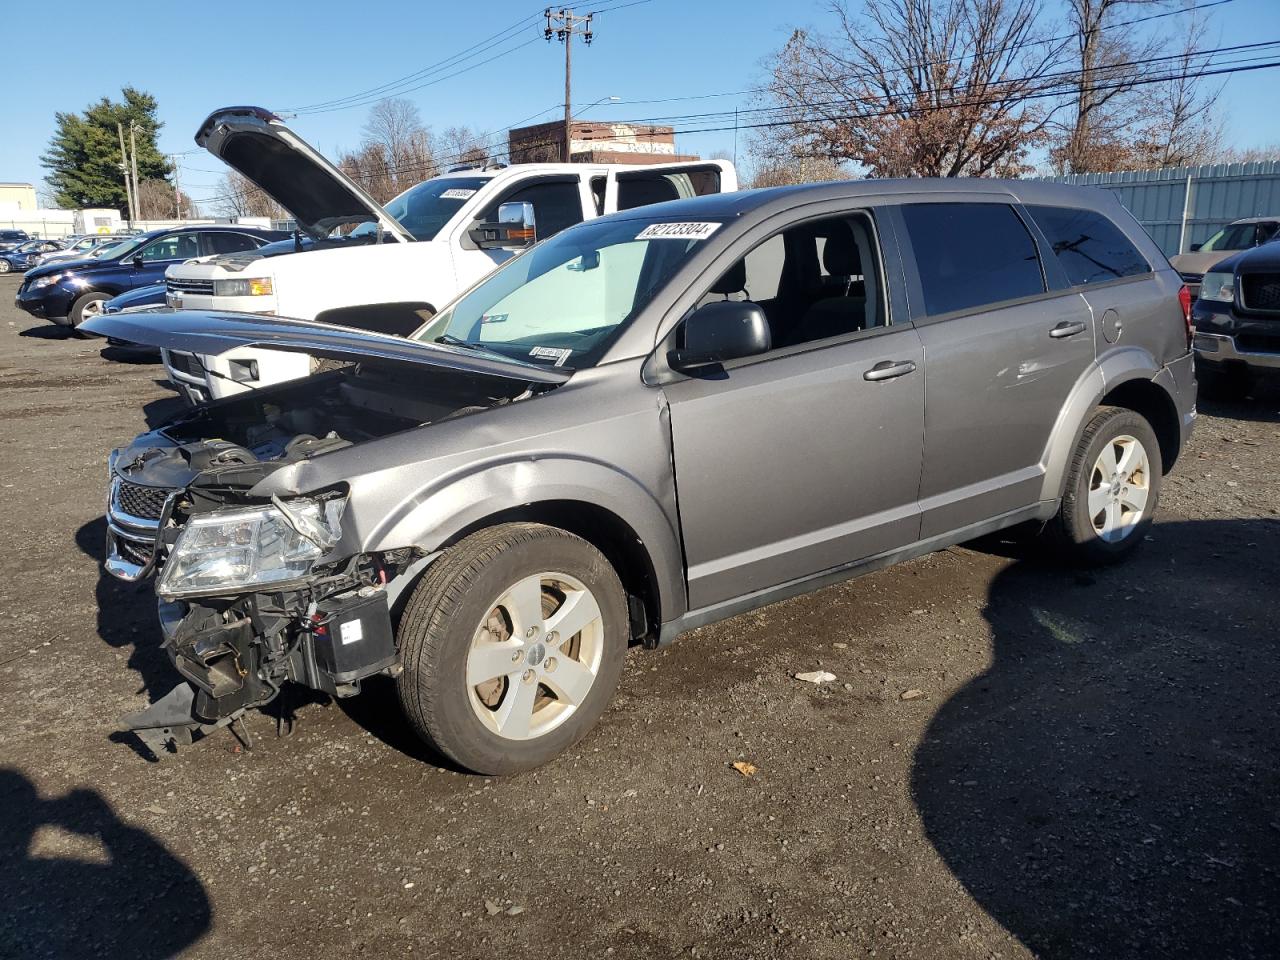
x=230 y=550
x=256 y=287
x=1218 y=286
x=48 y=281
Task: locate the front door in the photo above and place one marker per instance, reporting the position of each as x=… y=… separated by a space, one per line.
x=806 y=458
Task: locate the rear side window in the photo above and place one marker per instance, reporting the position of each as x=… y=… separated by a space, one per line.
x=971 y=254
x=639 y=189
x=1089 y=246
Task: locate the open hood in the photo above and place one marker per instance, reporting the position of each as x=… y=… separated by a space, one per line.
x=213 y=333
x=256 y=143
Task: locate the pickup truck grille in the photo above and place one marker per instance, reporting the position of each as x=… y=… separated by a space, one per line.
x=145 y=503
x=186 y=363
x=179 y=286
x=1260 y=291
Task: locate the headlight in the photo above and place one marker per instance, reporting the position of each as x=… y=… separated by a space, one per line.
x=48 y=281
x=1218 y=286
x=230 y=550
x=257 y=287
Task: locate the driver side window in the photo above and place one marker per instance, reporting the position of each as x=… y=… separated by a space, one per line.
x=180 y=246
x=814 y=281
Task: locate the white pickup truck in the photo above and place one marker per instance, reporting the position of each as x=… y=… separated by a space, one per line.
x=356 y=263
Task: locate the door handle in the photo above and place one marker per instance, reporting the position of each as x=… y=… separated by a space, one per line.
x=888 y=369
x=1067 y=328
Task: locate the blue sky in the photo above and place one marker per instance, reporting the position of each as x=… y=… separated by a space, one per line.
x=284 y=53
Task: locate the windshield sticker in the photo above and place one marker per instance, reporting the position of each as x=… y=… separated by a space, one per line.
x=678 y=231
x=494 y=318
x=551 y=353
x=457 y=193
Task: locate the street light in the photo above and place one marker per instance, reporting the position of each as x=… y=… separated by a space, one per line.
x=596 y=104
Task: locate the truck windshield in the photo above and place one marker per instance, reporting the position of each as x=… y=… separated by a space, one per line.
x=562 y=302
x=426 y=208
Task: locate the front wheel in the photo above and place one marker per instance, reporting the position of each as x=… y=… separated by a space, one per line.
x=5 y=265
x=87 y=305
x=512 y=646
x=1113 y=487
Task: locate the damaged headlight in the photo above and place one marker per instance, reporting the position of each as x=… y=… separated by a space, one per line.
x=230 y=550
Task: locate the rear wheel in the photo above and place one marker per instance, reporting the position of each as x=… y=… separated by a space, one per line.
x=1113 y=488
x=87 y=305
x=512 y=646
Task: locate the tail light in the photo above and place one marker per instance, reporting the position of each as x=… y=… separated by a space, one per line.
x=1184 y=298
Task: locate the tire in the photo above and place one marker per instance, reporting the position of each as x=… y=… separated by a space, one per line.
x=467 y=601
x=1075 y=532
x=90 y=302
x=5 y=265
x=1224 y=383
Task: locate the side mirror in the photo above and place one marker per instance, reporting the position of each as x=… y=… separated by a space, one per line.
x=515 y=227
x=137 y=260
x=1195 y=247
x=720 y=331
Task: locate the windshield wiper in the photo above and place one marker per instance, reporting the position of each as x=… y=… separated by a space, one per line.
x=450 y=340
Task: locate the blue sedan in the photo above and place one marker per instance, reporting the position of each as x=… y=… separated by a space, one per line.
x=24 y=255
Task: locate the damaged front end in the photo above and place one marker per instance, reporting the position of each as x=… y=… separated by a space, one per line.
x=257 y=591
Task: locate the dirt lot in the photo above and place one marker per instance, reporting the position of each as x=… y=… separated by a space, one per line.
x=1091 y=771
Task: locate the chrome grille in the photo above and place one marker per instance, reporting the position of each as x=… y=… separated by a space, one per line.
x=1260 y=291
x=181 y=286
x=146 y=503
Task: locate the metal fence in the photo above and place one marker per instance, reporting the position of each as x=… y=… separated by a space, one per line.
x=1180 y=206
x=41 y=229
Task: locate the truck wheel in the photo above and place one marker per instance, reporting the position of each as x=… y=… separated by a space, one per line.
x=1224 y=383
x=87 y=305
x=1113 y=488
x=512 y=645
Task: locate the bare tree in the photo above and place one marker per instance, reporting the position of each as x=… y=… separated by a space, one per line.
x=916 y=88
x=157 y=201
x=1259 y=154
x=238 y=197
x=1181 y=125
x=460 y=145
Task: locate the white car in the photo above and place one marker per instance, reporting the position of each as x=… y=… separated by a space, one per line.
x=388 y=269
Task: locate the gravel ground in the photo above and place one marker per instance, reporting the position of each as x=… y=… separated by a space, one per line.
x=1090 y=769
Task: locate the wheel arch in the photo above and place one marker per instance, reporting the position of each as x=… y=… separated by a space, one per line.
x=608 y=533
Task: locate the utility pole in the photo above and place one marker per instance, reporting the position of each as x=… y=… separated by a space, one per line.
x=177 y=189
x=124 y=169
x=564 y=26
x=133 y=159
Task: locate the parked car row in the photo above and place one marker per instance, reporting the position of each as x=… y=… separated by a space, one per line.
x=26 y=255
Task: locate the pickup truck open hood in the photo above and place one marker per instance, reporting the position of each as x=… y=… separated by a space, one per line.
x=256 y=143
x=213 y=333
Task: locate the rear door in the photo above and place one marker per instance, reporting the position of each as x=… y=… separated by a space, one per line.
x=806 y=458
x=1005 y=344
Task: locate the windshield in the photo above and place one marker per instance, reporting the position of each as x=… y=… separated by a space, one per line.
x=119 y=248
x=561 y=303
x=31 y=246
x=1234 y=236
x=426 y=208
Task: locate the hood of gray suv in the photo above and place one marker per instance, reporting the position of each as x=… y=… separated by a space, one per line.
x=213 y=333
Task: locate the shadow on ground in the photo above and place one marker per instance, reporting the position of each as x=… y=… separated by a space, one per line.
x=76 y=881
x=1108 y=788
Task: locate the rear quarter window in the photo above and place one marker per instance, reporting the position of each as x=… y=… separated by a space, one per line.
x=969 y=255
x=1089 y=246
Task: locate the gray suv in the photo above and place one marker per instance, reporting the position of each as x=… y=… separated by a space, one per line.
x=650 y=422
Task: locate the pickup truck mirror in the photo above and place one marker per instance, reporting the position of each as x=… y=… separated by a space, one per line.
x=720 y=331
x=515 y=227
x=1195 y=247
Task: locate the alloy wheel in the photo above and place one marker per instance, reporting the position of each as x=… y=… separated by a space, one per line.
x=534 y=658
x=1119 y=487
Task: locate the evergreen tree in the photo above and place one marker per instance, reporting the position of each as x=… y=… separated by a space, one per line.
x=83 y=158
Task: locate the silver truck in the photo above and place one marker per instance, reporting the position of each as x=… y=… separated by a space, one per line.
x=650 y=422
